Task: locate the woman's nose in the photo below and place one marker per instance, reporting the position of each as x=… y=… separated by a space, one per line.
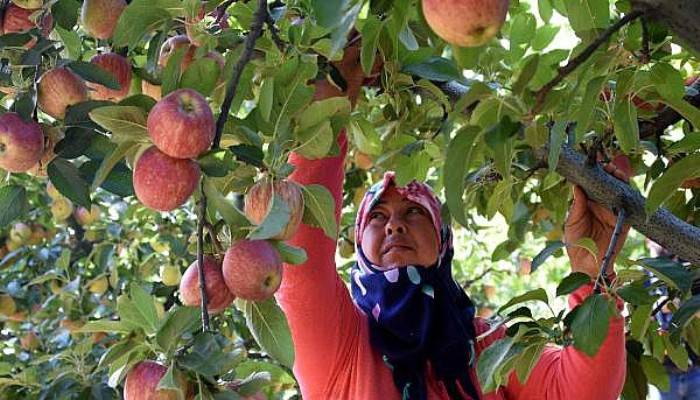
x=395 y=225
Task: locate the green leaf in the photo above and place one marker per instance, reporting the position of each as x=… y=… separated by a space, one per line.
x=538 y=294
x=66 y=177
x=685 y=109
x=275 y=220
x=141 y=17
x=177 y=321
x=668 y=81
x=586 y=110
x=585 y=15
x=666 y=185
x=364 y=136
x=457 y=162
x=170 y=384
x=527 y=360
x=590 y=325
x=636 y=295
x=526 y=73
x=269 y=327
x=253 y=383
x=626 y=125
x=93 y=73
x=202 y=75
x=172 y=72
x=228 y=211
x=522 y=29
x=500 y=139
x=655 y=372
x=316 y=141
x=321 y=111
x=137 y=314
x=290 y=254
x=211 y=354
x=669 y=271
x=545 y=9
x=572 y=282
x=110 y=161
x=319 y=209
x=556 y=138
x=435 y=69
x=549 y=249
x=544 y=36
x=70 y=40
x=490 y=361
x=114 y=352
x=14 y=204
x=216 y=163
x=104 y=326
x=370 y=41
x=640 y=319
x=65 y=13
x=684 y=315
x=267 y=91
x=127 y=123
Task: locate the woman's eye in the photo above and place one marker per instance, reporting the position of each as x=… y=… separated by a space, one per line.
x=415 y=210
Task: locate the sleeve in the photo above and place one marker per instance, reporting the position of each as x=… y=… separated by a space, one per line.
x=314 y=298
x=567 y=373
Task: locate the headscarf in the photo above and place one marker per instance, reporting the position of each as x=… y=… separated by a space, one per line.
x=416 y=313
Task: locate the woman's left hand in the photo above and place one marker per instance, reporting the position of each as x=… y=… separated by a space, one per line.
x=590 y=219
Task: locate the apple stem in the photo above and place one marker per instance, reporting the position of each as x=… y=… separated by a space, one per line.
x=249 y=46
x=611 y=249
x=200 y=258
x=575 y=62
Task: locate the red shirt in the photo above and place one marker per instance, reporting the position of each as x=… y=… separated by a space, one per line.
x=333 y=355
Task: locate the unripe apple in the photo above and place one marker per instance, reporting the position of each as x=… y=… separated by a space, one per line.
x=252 y=269
x=181 y=124
x=61 y=209
x=21 y=143
x=28 y=4
x=12 y=245
x=59 y=88
x=346 y=249
x=53 y=192
x=170 y=275
x=17 y=19
x=20 y=232
x=218 y=295
x=7 y=305
x=142 y=383
x=120 y=68
x=162 y=182
x=259 y=199
x=92 y=235
x=99 y=17
x=99 y=286
x=29 y=341
x=465 y=23
x=85 y=217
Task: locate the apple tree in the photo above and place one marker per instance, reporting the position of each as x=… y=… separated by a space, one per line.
x=142 y=139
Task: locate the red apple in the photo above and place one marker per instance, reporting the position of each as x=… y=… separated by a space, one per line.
x=162 y=182
x=252 y=269
x=52 y=135
x=120 y=68
x=85 y=217
x=259 y=199
x=466 y=23
x=142 y=383
x=181 y=124
x=21 y=143
x=99 y=17
x=218 y=295
x=150 y=89
x=17 y=19
x=58 y=89
x=181 y=41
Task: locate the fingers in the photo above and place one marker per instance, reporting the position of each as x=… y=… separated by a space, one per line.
x=620 y=167
x=579 y=208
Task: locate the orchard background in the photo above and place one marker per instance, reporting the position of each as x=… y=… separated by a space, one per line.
x=90 y=275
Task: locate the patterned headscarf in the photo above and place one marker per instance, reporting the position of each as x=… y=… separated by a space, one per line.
x=416 y=313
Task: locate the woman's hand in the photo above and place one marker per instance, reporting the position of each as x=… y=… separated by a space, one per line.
x=590 y=219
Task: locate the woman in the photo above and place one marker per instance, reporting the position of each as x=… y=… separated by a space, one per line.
x=408 y=331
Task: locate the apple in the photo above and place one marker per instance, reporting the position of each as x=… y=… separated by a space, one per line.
x=524 y=266
x=29 y=341
x=252 y=269
x=21 y=143
x=53 y=193
x=170 y=275
x=489 y=292
x=346 y=248
x=85 y=217
x=99 y=286
x=150 y=89
x=363 y=161
x=59 y=88
x=259 y=199
x=218 y=295
x=181 y=41
x=142 y=383
x=61 y=209
x=7 y=305
x=38 y=235
x=164 y=183
x=28 y=4
x=20 y=232
x=18 y=19
x=120 y=68
x=484 y=312
x=181 y=124
x=195 y=33
x=465 y=23
x=99 y=17
x=52 y=135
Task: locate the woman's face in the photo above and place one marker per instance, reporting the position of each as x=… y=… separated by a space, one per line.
x=399 y=232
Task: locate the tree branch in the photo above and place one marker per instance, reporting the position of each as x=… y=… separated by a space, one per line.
x=564 y=71
x=201 y=220
x=611 y=249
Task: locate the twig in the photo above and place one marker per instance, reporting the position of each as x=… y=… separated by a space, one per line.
x=470 y=282
x=611 y=249
x=274 y=32
x=201 y=220
x=214 y=239
x=645 y=55
x=567 y=69
x=660 y=306
x=255 y=31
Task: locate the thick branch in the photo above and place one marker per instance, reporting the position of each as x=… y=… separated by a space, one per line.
x=663 y=227
x=681 y=16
